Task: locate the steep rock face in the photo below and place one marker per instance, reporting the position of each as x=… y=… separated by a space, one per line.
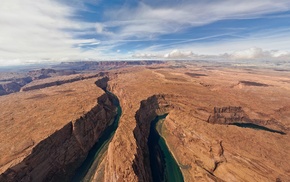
x=227 y=115
x=59 y=82
x=46 y=73
x=236 y=115
x=8 y=86
x=100 y=65
x=14 y=85
x=11 y=87
x=57 y=157
x=205 y=151
x=149 y=109
x=103 y=83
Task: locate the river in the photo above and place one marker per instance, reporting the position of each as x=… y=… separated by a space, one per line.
x=87 y=170
x=162 y=163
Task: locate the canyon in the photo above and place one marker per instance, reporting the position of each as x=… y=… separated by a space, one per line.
x=12 y=81
x=222 y=123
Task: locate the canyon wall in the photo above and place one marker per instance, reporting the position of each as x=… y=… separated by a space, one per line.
x=227 y=115
x=104 y=65
x=148 y=110
x=35 y=86
x=236 y=115
x=58 y=156
x=13 y=85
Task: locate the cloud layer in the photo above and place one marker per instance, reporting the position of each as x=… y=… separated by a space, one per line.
x=178 y=54
x=146 y=20
x=258 y=53
x=247 y=54
x=59 y=30
x=39 y=30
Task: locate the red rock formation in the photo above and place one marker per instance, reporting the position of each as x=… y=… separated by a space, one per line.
x=57 y=157
x=60 y=82
x=227 y=115
x=148 y=110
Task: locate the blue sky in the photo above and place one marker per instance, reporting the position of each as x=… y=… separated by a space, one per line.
x=68 y=30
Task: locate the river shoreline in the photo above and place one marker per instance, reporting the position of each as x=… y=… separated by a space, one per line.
x=163 y=165
x=85 y=171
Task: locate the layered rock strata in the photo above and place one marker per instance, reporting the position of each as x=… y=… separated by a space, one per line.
x=236 y=115
x=204 y=151
x=13 y=85
x=56 y=82
x=56 y=157
x=149 y=109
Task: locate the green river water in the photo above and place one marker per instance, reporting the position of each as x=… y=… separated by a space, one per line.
x=162 y=163
x=86 y=171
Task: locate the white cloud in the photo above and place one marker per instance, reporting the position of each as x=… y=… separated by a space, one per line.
x=145 y=55
x=40 y=30
x=147 y=20
x=46 y=30
x=258 y=53
x=152 y=19
x=279 y=54
x=178 y=54
x=173 y=54
x=251 y=53
x=277 y=39
x=254 y=53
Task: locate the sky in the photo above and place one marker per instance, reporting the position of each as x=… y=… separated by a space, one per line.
x=39 y=31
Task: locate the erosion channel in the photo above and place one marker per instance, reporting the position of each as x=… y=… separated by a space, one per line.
x=86 y=171
x=162 y=163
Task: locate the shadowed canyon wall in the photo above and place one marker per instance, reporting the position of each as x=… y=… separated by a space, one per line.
x=149 y=109
x=57 y=157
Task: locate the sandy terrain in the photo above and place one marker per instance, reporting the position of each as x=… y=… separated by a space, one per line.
x=29 y=117
x=202 y=102
x=208 y=151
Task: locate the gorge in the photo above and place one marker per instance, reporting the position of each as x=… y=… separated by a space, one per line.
x=88 y=167
x=174 y=121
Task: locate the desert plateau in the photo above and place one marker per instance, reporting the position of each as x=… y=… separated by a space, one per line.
x=210 y=123
x=144 y=91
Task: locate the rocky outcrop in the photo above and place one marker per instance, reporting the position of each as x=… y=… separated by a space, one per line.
x=13 y=85
x=67 y=68
x=227 y=115
x=232 y=115
x=251 y=83
x=195 y=75
x=101 y=65
x=244 y=84
x=46 y=73
x=58 y=156
x=60 y=82
x=9 y=87
x=236 y=114
x=149 y=109
x=103 y=82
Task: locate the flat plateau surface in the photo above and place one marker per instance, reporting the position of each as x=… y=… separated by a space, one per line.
x=205 y=151
x=29 y=117
x=202 y=102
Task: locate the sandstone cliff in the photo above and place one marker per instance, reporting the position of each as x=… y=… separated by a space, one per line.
x=206 y=148
x=204 y=151
x=56 y=157
x=56 y=81
x=13 y=85
x=104 y=65
x=237 y=116
x=149 y=109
